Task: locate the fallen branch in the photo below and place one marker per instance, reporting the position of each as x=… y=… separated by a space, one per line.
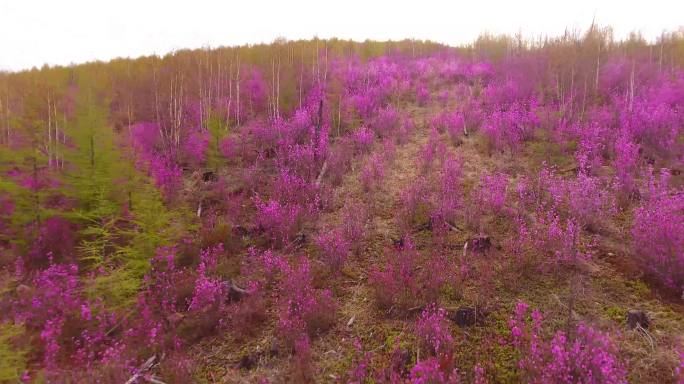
x=146 y=367
x=574 y=314
x=569 y=169
x=236 y=293
x=646 y=335
x=452 y=226
x=324 y=168
x=154 y=380
x=118 y=324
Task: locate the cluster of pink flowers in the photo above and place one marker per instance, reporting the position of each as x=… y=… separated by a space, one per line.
x=335 y=246
x=658 y=234
x=304 y=310
x=281 y=221
x=508 y=129
x=373 y=173
x=208 y=291
x=433 y=331
x=587 y=356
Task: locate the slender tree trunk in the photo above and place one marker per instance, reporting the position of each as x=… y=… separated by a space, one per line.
x=277 y=105
x=598 y=65
x=56 y=138
x=36 y=197
x=230 y=94
x=660 y=59
x=301 y=77
x=237 y=90
x=7 y=120
x=631 y=87
x=48 y=148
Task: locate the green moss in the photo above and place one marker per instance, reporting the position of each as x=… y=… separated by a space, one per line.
x=504 y=360
x=638 y=288
x=422 y=215
x=616 y=314
x=12 y=357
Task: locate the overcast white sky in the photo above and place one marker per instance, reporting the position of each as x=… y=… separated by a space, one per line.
x=34 y=32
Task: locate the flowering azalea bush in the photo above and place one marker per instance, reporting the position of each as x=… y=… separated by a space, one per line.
x=433 y=332
x=508 y=129
x=586 y=357
x=373 y=173
x=304 y=310
x=280 y=221
x=658 y=233
x=335 y=246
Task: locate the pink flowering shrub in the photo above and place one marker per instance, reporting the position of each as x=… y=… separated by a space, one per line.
x=626 y=163
x=54 y=299
x=265 y=135
x=71 y=330
x=209 y=291
x=416 y=205
x=679 y=369
x=339 y=160
x=300 y=125
x=505 y=93
x=508 y=129
x=451 y=122
x=290 y=188
x=304 y=310
x=658 y=233
x=335 y=246
x=548 y=242
x=399 y=284
x=373 y=173
x=491 y=193
x=587 y=357
x=448 y=199
x=653 y=124
x=353 y=225
x=488 y=200
x=363 y=139
x=422 y=95
x=194 y=149
x=162 y=297
x=167 y=176
x=358 y=373
x=280 y=221
x=396 y=284
x=591 y=148
x=304 y=160
x=433 y=332
x=55 y=241
x=583 y=198
x=229 y=148
x=387 y=121
x=558 y=238
x=434 y=371
x=433 y=150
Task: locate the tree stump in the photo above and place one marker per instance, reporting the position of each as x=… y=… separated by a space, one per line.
x=209 y=176
x=480 y=243
x=637 y=318
x=464 y=317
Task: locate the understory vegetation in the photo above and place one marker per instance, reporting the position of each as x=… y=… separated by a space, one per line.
x=332 y=211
